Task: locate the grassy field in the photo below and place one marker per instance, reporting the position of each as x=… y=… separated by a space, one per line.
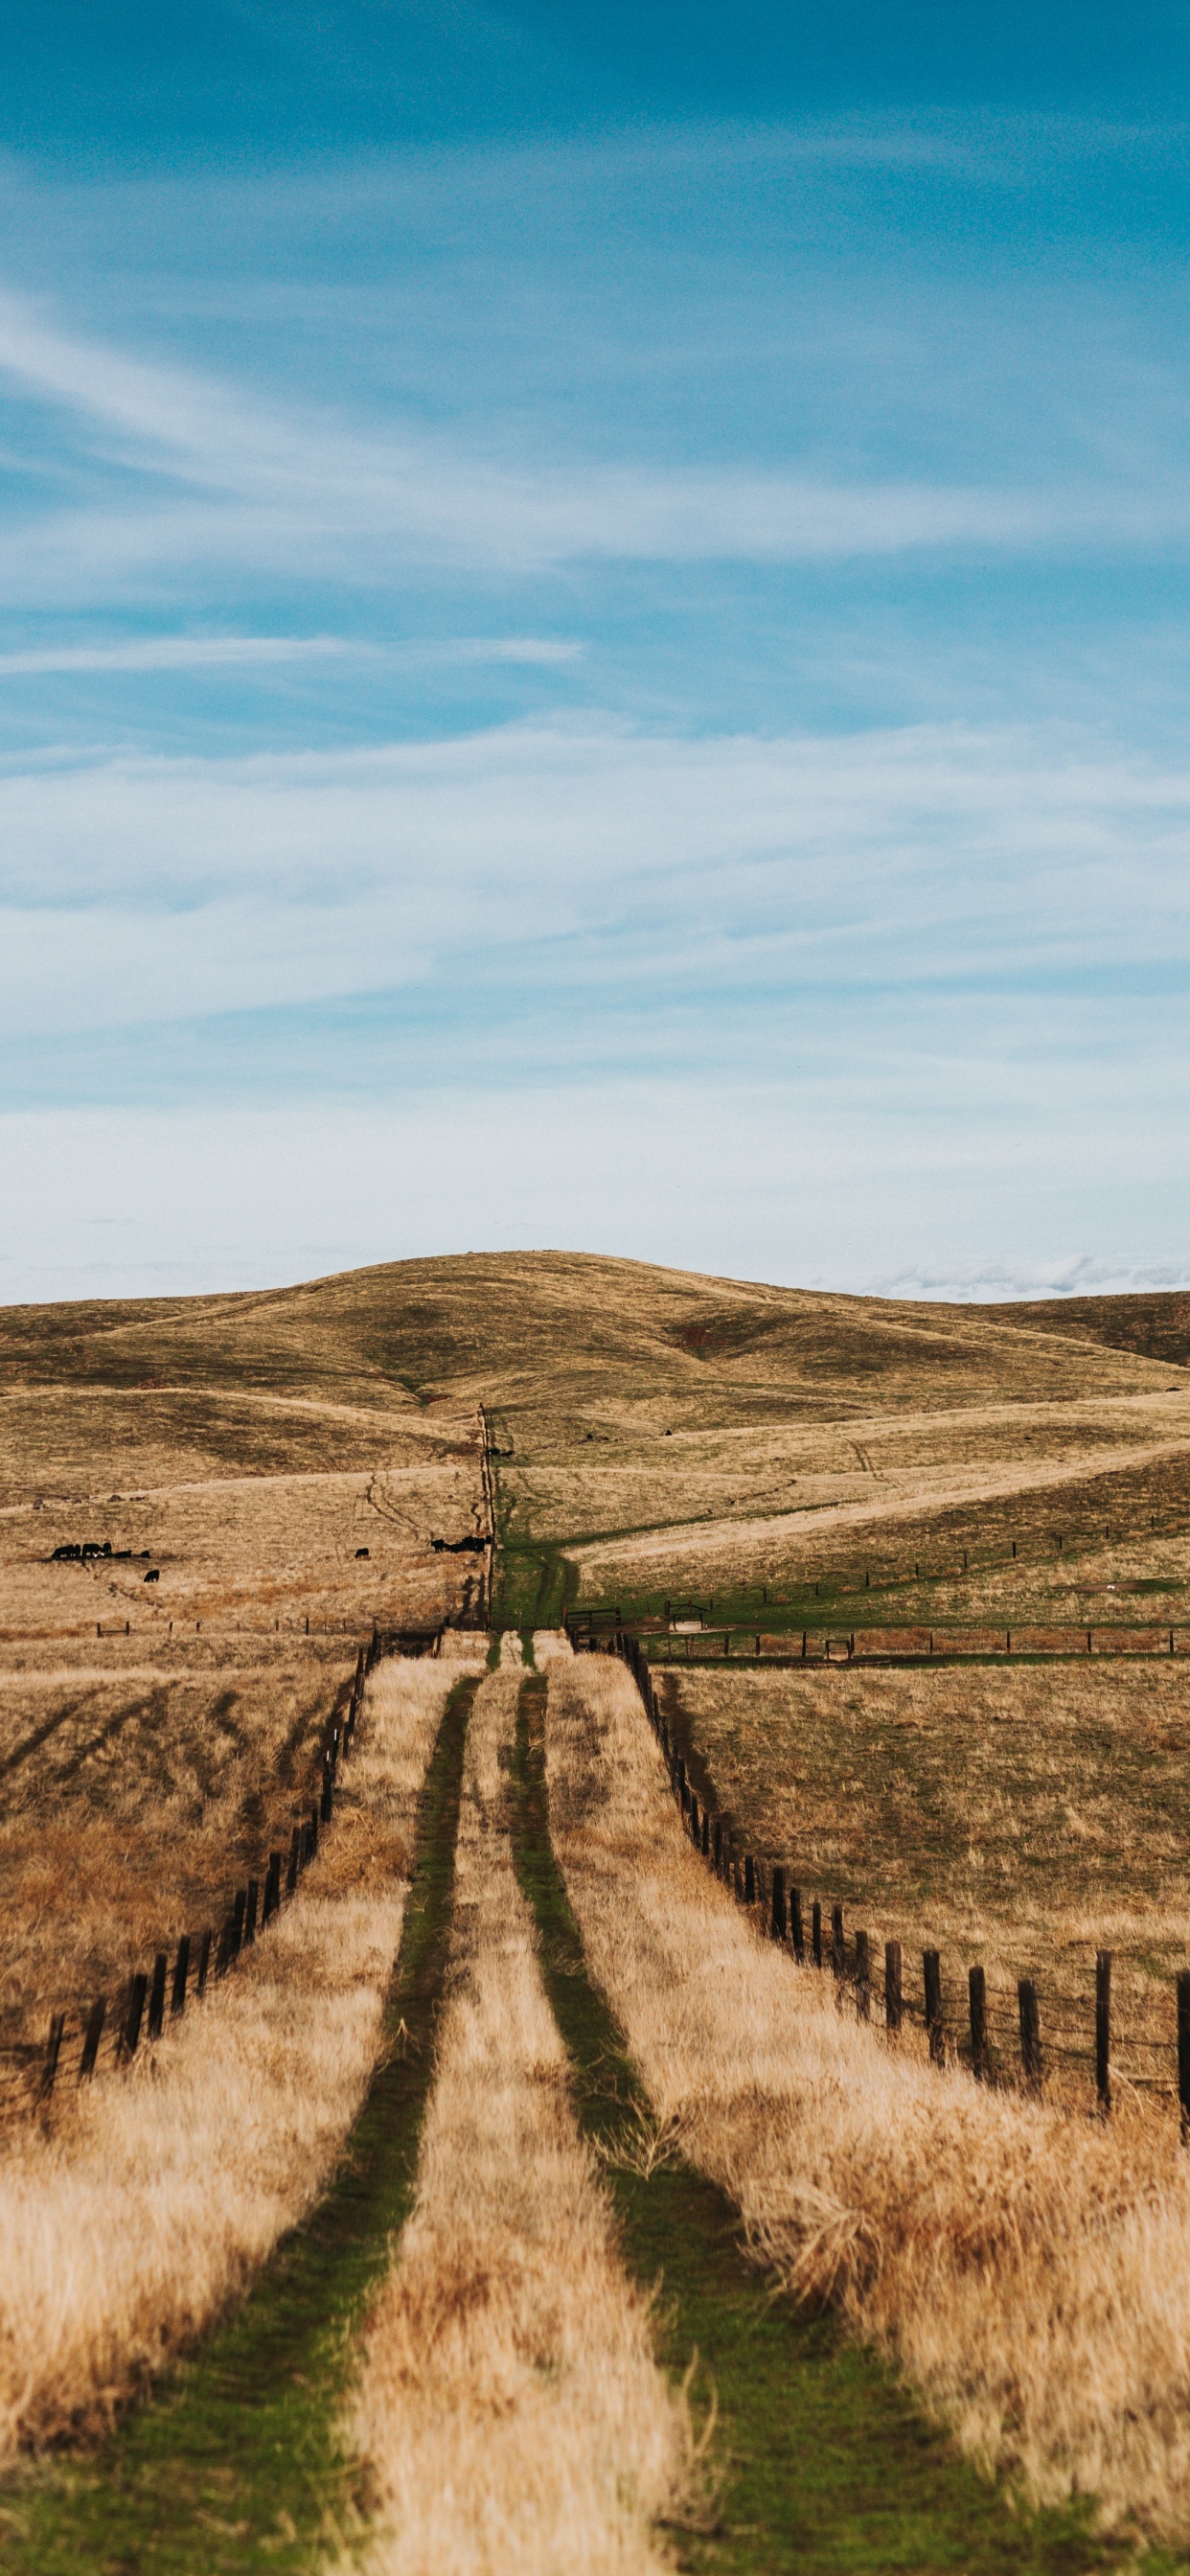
x=297 y=1467
x=652 y=1429
x=241 y=2459
x=158 y=1739
x=137 y=1797
x=720 y=2081
x=1020 y=1819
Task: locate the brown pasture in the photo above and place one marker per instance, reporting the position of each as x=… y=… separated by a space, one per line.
x=158 y=1740
x=659 y=1429
x=1020 y=1817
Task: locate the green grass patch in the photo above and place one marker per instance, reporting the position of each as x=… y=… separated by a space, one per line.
x=234 y=2462
x=532 y=1585
x=827 y=2465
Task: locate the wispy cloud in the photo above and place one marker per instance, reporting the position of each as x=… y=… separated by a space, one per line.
x=734 y=876
x=175 y=653
x=217 y=652
x=997 y=1283
x=835 y=949
x=237 y=476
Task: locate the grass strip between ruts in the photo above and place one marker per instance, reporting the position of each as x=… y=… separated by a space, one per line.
x=825 y=2462
x=234 y=2461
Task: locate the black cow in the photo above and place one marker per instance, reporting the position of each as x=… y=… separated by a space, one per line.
x=360 y=1551
x=154 y=1574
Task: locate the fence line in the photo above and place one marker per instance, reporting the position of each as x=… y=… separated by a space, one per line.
x=253 y=1907
x=765 y=1888
x=850 y=1580
x=916 y=1645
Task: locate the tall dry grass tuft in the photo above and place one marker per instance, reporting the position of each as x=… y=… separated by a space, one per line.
x=1028 y=2268
x=510 y=2406
x=162 y=2189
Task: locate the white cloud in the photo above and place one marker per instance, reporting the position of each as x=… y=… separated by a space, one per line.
x=226 y=476
x=999 y=1282
x=779 y=1182
x=174 y=653
x=1014 y=829
x=936 y=924
x=216 y=652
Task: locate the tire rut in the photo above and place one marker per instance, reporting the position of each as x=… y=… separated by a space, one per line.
x=234 y=2461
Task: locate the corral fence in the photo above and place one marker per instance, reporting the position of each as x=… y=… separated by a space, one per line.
x=813 y=1931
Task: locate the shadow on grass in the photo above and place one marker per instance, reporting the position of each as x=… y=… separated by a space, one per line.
x=234 y=2461
x=826 y=2463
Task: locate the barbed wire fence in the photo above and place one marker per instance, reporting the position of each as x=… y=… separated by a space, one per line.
x=813 y=1930
x=138 y=2013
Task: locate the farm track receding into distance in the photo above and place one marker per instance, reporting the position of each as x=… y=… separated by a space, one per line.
x=305 y=1459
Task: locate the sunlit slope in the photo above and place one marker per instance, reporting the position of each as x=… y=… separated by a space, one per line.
x=1156 y=1324
x=691 y=1427
x=548 y=1328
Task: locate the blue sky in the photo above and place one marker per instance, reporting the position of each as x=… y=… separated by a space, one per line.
x=593 y=642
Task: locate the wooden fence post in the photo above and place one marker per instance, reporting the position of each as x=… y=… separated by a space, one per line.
x=52 y=2055
x=932 y=1973
x=863 y=1976
x=92 y=2036
x=977 y=2005
x=130 y=2037
x=177 y=2001
x=816 y=1933
x=1184 y=2051
x=157 y=1995
x=796 y=1926
x=1103 y=2029
x=778 y=1904
x=893 y=2005
x=1030 y=2033
x=838 y=1942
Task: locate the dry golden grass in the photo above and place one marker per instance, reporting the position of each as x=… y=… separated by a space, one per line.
x=1028 y=2268
x=510 y=2408
x=148 y=1773
x=796 y=1421
x=161 y=2189
x=246 y=1539
x=136 y=1801
x=789 y=1505
x=1019 y=1817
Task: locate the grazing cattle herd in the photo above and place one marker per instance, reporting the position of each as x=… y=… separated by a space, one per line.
x=72 y=1552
